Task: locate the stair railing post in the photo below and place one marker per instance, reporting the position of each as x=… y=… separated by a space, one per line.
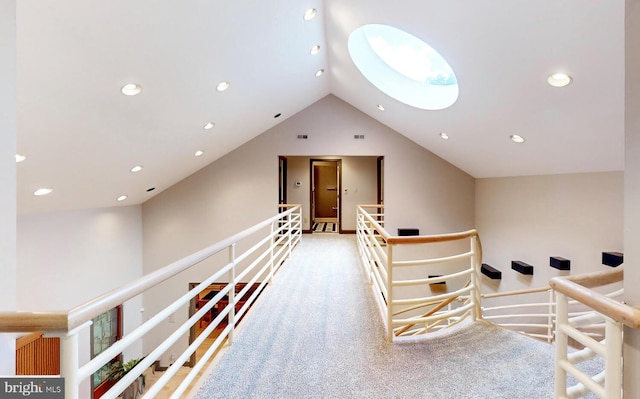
x=274 y=239
x=562 y=319
x=289 y=235
x=613 y=361
x=550 y=321
x=476 y=312
x=232 y=292
x=371 y=250
x=69 y=361
x=389 y=266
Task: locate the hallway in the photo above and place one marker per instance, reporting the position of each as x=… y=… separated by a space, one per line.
x=316 y=333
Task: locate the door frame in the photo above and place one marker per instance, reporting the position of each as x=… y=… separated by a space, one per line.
x=338 y=162
x=282 y=180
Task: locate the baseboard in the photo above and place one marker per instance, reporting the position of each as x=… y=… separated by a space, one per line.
x=307 y=231
x=156 y=366
x=347 y=232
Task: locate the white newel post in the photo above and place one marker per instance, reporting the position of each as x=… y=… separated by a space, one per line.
x=289 y=234
x=274 y=239
x=613 y=361
x=475 y=293
x=561 y=345
x=232 y=292
x=69 y=353
x=390 y=293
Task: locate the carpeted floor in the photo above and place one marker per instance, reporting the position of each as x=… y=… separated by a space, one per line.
x=315 y=333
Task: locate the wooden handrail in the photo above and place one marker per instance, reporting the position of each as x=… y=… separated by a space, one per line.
x=432 y=238
x=578 y=288
x=425 y=239
x=33 y=321
x=65 y=321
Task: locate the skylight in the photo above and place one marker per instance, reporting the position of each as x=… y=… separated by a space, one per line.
x=403 y=66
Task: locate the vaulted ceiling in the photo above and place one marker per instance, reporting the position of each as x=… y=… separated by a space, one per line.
x=82 y=135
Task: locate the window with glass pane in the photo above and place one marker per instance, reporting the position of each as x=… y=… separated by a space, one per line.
x=105 y=330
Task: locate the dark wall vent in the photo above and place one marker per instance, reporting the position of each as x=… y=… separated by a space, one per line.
x=303 y=136
x=358 y=136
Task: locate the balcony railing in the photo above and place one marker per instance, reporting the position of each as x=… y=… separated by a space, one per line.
x=614 y=314
x=269 y=244
x=401 y=269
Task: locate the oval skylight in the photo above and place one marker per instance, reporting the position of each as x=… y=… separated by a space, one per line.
x=403 y=67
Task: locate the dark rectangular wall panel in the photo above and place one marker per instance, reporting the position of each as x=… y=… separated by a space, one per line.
x=522 y=267
x=612 y=259
x=560 y=263
x=408 y=232
x=491 y=272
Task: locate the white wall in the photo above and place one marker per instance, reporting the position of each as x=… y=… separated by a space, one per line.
x=241 y=189
x=632 y=191
x=7 y=177
x=68 y=258
x=575 y=216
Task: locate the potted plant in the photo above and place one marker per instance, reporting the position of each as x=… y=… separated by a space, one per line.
x=119 y=369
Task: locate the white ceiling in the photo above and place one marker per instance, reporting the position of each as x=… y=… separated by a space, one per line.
x=82 y=135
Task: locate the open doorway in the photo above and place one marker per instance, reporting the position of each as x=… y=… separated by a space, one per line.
x=359 y=180
x=325 y=195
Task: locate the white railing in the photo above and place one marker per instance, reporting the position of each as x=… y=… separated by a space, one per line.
x=605 y=384
x=533 y=312
x=270 y=244
x=530 y=311
x=401 y=269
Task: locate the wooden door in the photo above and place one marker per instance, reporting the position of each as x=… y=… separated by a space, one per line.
x=326 y=190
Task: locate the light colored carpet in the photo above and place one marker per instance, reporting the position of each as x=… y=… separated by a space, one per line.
x=315 y=333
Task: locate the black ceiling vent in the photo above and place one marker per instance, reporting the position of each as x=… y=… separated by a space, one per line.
x=358 y=136
x=303 y=136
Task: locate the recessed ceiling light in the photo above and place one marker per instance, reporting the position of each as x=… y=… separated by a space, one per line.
x=319 y=73
x=136 y=168
x=198 y=153
x=209 y=125
x=20 y=158
x=380 y=107
x=559 y=79
x=131 y=89
x=43 y=191
x=222 y=86
x=444 y=136
x=517 y=139
x=122 y=198
x=315 y=49
x=310 y=14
